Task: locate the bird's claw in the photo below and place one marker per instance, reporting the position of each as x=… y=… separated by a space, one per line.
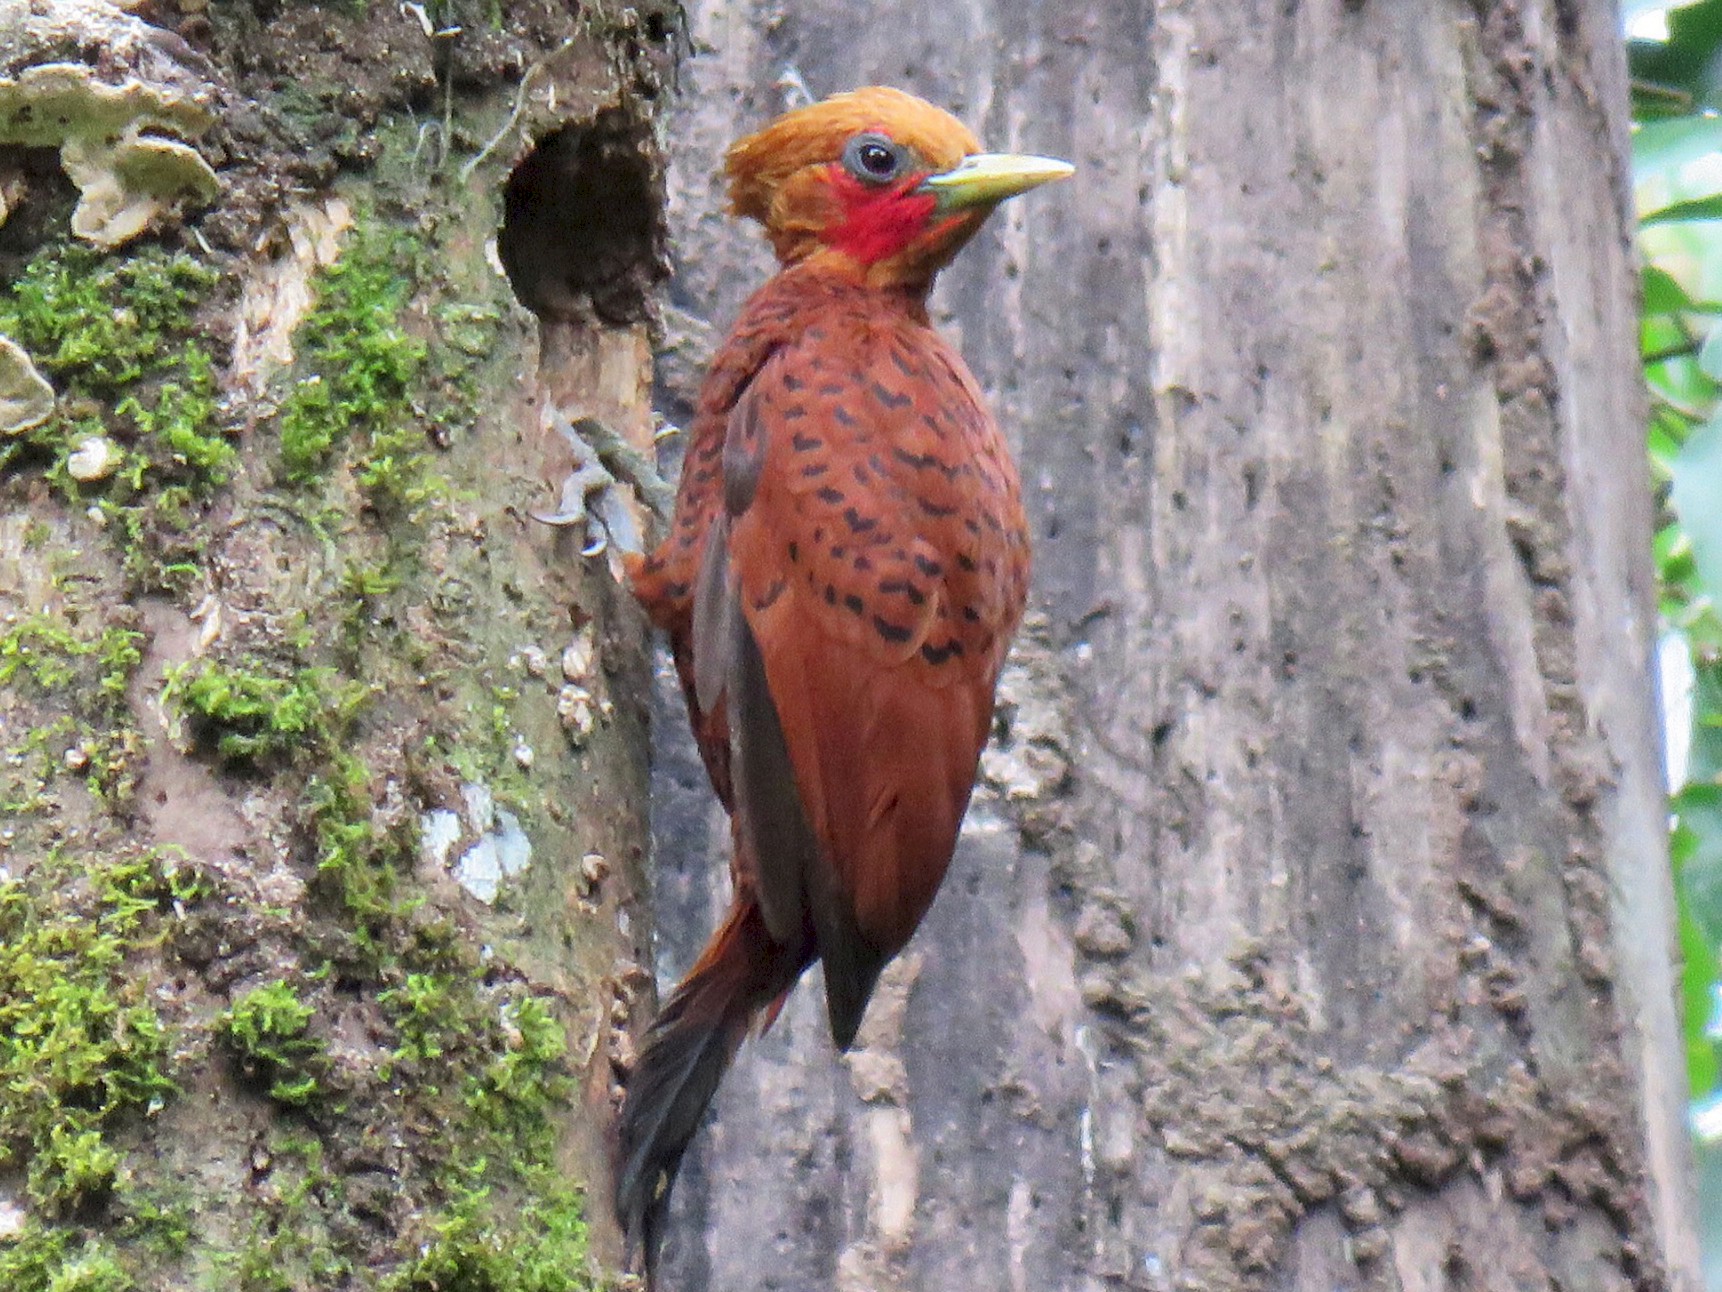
x=585 y=479
x=590 y=496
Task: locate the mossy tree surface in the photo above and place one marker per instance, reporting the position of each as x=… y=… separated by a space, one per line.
x=318 y=755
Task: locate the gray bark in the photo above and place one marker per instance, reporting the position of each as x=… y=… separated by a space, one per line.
x=1311 y=925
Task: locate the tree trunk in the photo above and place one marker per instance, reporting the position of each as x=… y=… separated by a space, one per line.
x=325 y=767
x=1311 y=925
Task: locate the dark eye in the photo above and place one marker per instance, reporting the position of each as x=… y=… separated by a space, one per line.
x=873 y=158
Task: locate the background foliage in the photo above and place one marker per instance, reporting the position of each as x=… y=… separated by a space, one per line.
x=1675 y=53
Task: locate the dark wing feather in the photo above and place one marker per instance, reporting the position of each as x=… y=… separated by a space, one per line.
x=774 y=842
x=666 y=580
x=714 y=622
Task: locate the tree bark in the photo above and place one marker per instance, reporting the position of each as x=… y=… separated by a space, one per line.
x=1311 y=927
x=325 y=767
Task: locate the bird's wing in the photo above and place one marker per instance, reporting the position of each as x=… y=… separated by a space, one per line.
x=873 y=566
x=666 y=580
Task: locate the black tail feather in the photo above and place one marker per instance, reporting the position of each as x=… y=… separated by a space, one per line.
x=686 y=1052
x=678 y=1073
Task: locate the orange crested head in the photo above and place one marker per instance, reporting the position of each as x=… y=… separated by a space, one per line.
x=877 y=182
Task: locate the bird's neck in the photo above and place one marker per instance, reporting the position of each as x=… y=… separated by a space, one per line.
x=831 y=272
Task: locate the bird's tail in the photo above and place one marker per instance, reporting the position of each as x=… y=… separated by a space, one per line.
x=687 y=1049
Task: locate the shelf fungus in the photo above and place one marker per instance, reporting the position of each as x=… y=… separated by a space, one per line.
x=26 y=399
x=122 y=126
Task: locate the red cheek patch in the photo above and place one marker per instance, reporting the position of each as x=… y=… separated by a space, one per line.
x=877 y=223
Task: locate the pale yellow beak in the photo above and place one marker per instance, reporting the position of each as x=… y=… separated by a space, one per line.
x=987 y=178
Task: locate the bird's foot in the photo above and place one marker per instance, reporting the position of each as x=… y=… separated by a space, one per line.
x=591 y=495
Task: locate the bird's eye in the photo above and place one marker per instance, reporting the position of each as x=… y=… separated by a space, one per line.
x=873 y=159
x=876 y=159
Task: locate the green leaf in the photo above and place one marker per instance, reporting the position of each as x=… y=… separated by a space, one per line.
x=1696 y=492
x=1698 y=1005
x=1700 y=208
x=1663 y=445
x=1651 y=102
x=1662 y=294
x=1686 y=61
x=1692 y=849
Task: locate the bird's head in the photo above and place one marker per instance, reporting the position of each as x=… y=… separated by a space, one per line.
x=875 y=181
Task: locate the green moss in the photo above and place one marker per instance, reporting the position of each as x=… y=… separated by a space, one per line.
x=119 y=331
x=506 y=1066
x=477 y=1078
x=181 y=419
x=359 y=860
x=103 y=323
x=119 y=338
x=117 y=648
x=51 y=1260
x=249 y=715
x=74 y=1166
x=72 y=664
x=57 y=654
x=513 y=1094
x=379 y=374
x=481 y=1246
x=466 y=1106
x=426 y=1011
x=94 y=1269
x=490 y=1060
x=365 y=584
x=365 y=587
x=305 y=720
x=157 y=1219
x=288 y=1245
x=357 y=366
x=268 y=1030
x=81 y=1044
x=42 y=648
